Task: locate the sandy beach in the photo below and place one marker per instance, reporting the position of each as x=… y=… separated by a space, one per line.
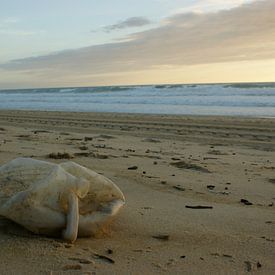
x=176 y=163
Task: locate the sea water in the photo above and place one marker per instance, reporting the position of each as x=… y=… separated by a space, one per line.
x=250 y=99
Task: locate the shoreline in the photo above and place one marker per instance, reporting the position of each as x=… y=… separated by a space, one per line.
x=181 y=161
x=138 y=114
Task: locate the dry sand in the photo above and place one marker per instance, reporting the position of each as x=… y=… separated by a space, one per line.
x=181 y=161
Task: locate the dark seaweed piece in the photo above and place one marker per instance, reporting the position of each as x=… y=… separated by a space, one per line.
x=107 y=259
x=163 y=237
x=199 y=206
x=177 y=187
x=191 y=166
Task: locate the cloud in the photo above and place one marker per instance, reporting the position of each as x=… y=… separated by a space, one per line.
x=128 y=23
x=241 y=34
x=204 y=6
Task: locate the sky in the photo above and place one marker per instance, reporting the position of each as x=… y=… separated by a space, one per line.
x=69 y=43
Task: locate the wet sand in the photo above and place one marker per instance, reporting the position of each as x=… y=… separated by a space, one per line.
x=225 y=164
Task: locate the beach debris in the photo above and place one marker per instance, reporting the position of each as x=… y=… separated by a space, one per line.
x=246 y=202
x=272 y=181
x=130 y=150
x=88 y=138
x=152 y=177
x=182 y=257
x=211 y=187
x=23 y=136
x=147 y=207
x=153 y=140
x=40 y=131
x=59 y=155
x=191 y=166
x=267 y=239
x=163 y=182
x=133 y=167
x=99 y=146
x=178 y=187
x=223 y=193
x=83 y=148
x=198 y=206
x=57 y=199
x=105 y=258
x=2 y=129
x=163 y=237
x=227 y=256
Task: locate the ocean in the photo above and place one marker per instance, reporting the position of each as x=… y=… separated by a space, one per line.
x=247 y=99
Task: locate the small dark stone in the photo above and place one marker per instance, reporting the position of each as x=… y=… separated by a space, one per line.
x=246 y=202
x=259 y=265
x=211 y=187
x=109 y=251
x=133 y=168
